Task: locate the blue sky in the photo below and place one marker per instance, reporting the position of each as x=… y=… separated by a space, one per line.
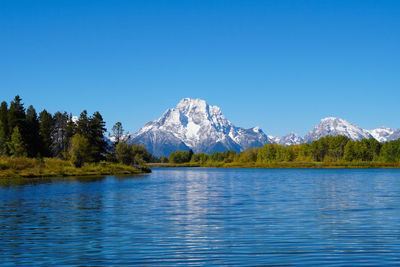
x=281 y=65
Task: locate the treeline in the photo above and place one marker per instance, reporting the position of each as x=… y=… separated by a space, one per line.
x=24 y=133
x=326 y=149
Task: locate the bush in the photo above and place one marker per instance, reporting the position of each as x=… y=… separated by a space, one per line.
x=79 y=151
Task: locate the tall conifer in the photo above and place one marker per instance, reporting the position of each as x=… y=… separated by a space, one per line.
x=17 y=116
x=33 y=140
x=97 y=128
x=46 y=128
x=4 y=132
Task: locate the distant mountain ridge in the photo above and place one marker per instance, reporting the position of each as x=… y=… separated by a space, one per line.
x=194 y=124
x=332 y=126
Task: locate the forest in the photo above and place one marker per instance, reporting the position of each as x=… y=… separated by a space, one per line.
x=26 y=134
x=330 y=149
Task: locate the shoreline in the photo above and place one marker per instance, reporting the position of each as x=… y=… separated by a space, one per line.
x=51 y=168
x=283 y=165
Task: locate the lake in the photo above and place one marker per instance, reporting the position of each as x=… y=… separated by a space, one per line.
x=196 y=216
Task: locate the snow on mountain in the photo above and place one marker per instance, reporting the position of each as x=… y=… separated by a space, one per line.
x=394 y=136
x=291 y=139
x=113 y=138
x=335 y=126
x=273 y=139
x=381 y=134
x=195 y=125
x=75 y=119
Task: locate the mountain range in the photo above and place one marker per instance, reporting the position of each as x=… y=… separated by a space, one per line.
x=194 y=124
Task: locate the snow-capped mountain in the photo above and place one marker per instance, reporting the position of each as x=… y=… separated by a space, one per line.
x=335 y=126
x=394 y=136
x=382 y=134
x=273 y=139
x=291 y=139
x=195 y=125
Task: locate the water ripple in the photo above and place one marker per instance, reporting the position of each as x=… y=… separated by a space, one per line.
x=204 y=217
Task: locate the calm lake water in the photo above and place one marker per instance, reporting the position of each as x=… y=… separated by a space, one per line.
x=204 y=217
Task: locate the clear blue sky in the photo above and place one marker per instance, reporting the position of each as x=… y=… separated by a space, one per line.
x=281 y=65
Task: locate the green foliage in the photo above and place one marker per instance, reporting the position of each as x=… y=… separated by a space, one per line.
x=4 y=132
x=16 y=115
x=329 y=149
x=45 y=131
x=275 y=153
x=69 y=131
x=200 y=157
x=79 y=151
x=16 y=145
x=33 y=139
x=123 y=153
x=97 y=129
x=164 y=159
x=53 y=167
x=132 y=154
x=180 y=157
x=24 y=133
x=390 y=151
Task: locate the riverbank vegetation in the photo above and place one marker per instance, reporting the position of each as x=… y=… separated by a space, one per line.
x=53 y=167
x=327 y=152
x=57 y=144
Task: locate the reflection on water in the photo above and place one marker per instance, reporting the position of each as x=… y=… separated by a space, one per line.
x=204 y=216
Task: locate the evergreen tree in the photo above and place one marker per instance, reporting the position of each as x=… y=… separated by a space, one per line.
x=98 y=144
x=4 y=132
x=33 y=140
x=46 y=129
x=17 y=116
x=16 y=145
x=190 y=154
x=83 y=125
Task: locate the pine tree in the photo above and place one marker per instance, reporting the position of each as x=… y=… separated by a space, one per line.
x=33 y=140
x=16 y=145
x=17 y=116
x=46 y=128
x=4 y=132
x=97 y=128
x=83 y=125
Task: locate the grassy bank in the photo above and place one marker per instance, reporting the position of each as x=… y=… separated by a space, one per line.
x=51 y=167
x=286 y=165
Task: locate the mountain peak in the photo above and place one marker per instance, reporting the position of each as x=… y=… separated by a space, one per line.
x=291 y=139
x=332 y=126
x=196 y=125
x=330 y=119
x=190 y=106
x=333 y=120
x=382 y=134
x=187 y=102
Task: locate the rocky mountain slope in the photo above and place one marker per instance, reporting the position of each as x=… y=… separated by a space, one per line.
x=332 y=126
x=195 y=125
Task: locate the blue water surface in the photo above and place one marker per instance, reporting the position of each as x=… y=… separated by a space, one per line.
x=196 y=216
